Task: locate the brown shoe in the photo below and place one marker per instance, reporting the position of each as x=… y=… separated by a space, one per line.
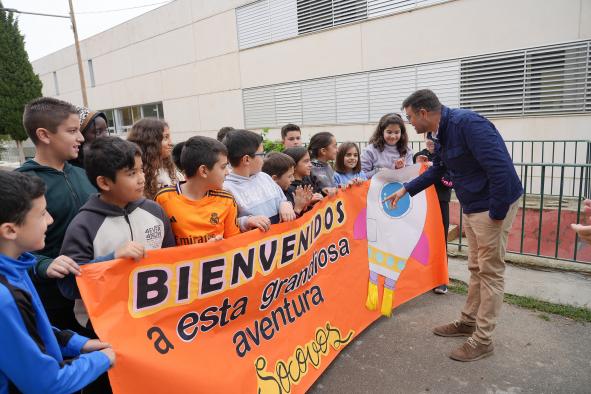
x=472 y=350
x=454 y=329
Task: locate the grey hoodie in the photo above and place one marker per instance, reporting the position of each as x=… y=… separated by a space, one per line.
x=372 y=159
x=100 y=228
x=255 y=195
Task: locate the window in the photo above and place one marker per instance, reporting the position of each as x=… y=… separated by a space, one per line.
x=125 y=118
x=347 y=11
x=348 y=99
x=493 y=84
x=555 y=79
x=314 y=15
x=267 y=21
x=55 y=84
x=121 y=119
x=110 y=119
x=542 y=80
x=91 y=73
x=149 y=110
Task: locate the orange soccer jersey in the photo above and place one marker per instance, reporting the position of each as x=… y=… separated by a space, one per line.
x=198 y=221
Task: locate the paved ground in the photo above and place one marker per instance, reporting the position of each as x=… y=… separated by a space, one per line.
x=558 y=287
x=401 y=355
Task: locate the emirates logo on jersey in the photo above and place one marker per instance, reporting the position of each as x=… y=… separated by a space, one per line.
x=214 y=219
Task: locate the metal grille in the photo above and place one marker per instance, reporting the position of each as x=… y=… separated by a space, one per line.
x=319 y=101
x=283 y=20
x=388 y=89
x=288 y=103
x=555 y=79
x=353 y=98
x=267 y=21
x=442 y=78
x=259 y=107
x=253 y=24
x=535 y=81
x=314 y=15
x=547 y=80
x=347 y=11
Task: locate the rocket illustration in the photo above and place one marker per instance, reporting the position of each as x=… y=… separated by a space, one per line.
x=392 y=234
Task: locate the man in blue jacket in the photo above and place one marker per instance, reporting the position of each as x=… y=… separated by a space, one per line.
x=473 y=152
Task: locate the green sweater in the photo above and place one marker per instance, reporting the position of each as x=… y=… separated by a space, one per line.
x=66 y=192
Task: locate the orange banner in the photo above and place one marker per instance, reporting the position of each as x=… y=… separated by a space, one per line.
x=260 y=312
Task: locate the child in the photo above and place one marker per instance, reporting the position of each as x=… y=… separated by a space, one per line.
x=118 y=222
x=260 y=201
x=176 y=156
x=323 y=148
x=348 y=166
x=32 y=351
x=222 y=132
x=199 y=210
x=281 y=168
x=54 y=127
x=302 y=172
x=388 y=146
x=291 y=136
x=92 y=125
x=152 y=135
x=443 y=189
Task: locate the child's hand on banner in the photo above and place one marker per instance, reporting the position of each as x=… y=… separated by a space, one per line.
x=286 y=213
x=261 y=222
x=62 y=266
x=131 y=250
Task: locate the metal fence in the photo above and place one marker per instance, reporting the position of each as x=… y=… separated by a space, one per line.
x=542 y=151
x=542 y=226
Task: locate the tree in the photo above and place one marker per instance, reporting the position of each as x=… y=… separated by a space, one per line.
x=18 y=83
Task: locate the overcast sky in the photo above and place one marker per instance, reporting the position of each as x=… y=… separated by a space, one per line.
x=44 y=35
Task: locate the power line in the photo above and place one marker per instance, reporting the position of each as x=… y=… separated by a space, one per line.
x=120 y=9
x=83 y=12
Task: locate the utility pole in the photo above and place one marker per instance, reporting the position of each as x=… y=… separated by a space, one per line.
x=76 y=42
x=80 y=68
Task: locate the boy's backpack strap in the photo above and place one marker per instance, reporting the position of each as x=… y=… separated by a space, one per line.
x=24 y=305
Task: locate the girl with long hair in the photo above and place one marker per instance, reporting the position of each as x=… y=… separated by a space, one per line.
x=347 y=165
x=153 y=137
x=388 y=146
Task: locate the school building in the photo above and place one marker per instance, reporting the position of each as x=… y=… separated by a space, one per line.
x=337 y=65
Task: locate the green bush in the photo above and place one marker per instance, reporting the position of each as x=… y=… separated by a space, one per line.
x=270 y=145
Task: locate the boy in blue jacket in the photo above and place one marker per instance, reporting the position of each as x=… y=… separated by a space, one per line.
x=33 y=352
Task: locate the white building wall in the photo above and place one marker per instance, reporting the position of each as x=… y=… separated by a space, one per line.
x=186 y=55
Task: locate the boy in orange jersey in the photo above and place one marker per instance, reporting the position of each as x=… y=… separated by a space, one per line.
x=199 y=210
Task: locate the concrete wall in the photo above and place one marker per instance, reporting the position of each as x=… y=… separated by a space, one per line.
x=186 y=55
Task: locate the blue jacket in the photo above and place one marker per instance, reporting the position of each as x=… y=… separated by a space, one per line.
x=32 y=352
x=342 y=179
x=472 y=150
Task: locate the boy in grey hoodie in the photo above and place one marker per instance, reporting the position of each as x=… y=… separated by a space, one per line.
x=118 y=222
x=260 y=200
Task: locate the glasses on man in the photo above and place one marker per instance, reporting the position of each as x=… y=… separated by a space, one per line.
x=262 y=154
